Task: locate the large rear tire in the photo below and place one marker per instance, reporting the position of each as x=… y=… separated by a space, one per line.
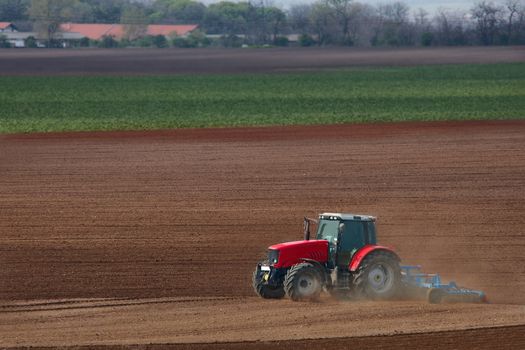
x=303 y=282
x=264 y=290
x=378 y=277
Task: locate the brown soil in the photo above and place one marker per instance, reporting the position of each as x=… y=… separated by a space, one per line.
x=149 y=220
x=194 y=320
x=479 y=339
x=183 y=61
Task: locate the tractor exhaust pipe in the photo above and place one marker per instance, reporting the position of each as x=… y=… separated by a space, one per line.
x=306 y=225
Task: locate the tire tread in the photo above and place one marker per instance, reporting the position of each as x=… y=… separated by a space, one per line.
x=360 y=278
x=291 y=275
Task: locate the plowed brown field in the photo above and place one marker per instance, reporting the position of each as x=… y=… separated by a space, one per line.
x=138 y=238
x=205 y=61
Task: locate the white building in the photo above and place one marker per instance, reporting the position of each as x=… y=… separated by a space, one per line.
x=7 y=27
x=18 y=39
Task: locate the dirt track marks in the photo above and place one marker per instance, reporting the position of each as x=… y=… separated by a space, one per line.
x=246 y=319
x=480 y=339
x=75 y=304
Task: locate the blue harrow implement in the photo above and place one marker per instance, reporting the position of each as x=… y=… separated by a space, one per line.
x=430 y=286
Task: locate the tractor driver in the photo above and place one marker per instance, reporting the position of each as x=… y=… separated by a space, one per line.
x=335 y=244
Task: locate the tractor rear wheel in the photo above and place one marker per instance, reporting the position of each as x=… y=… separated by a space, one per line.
x=378 y=277
x=303 y=282
x=264 y=290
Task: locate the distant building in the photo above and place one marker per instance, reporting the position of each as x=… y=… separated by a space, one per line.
x=70 y=32
x=7 y=27
x=117 y=31
x=18 y=39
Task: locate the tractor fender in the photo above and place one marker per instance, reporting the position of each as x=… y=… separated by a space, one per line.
x=364 y=251
x=322 y=270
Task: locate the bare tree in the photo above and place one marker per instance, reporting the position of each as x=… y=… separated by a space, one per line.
x=393 y=25
x=362 y=25
x=299 y=18
x=359 y=29
x=450 y=27
x=341 y=11
x=513 y=8
x=421 y=18
x=48 y=15
x=423 y=27
x=486 y=15
x=13 y=10
x=322 y=22
x=520 y=32
x=135 y=22
x=443 y=26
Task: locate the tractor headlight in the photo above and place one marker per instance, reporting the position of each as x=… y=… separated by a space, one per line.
x=273 y=256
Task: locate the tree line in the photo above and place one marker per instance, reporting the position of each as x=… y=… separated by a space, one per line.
x=258 y=22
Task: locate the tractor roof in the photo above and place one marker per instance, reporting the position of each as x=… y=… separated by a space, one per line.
x=346 y=216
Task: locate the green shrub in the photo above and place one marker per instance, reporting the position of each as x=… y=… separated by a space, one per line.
x=160 y=41
x=84 y=42
x=30 y=42
x=231 y=41
x=125 y=42
x=108 y=41
x=427 y=38
x=197 y=38
x=280 y=41
x=306 y=40
x=181 y=42
x=55 y=44
x=145 y=41
x=4 y=43
x=348 y=42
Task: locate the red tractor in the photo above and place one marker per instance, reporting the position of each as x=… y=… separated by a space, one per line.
x=343 y=259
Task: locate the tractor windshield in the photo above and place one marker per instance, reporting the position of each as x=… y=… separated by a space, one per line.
x=328 y=229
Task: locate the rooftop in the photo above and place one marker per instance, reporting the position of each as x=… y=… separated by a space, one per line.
x=7 y=26
x=96 y=31
x=346 y=216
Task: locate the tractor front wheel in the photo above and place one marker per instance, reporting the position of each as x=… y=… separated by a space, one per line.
x=303 y=282
x=378 y=277
x=265 y=290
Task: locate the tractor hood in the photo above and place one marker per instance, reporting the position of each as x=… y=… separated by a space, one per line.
x=291 y=253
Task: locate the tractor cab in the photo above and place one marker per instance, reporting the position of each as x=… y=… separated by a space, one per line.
x=345 y=233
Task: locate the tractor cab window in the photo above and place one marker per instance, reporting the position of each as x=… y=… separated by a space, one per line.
x=354 y=236
x=328 y=229
x=370 y=231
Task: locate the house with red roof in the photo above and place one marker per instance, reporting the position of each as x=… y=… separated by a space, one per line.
x=96 y=31
x=74 y=32
x=7 y=27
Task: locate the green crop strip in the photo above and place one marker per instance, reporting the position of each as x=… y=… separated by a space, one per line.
x=36 y=104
